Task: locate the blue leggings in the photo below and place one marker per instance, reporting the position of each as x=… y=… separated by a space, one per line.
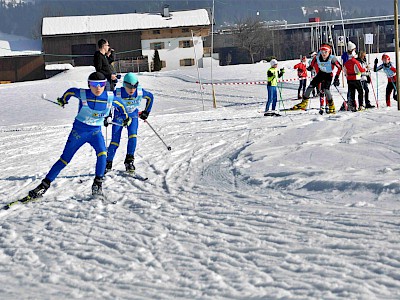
x=116 y=137
x=76 y=139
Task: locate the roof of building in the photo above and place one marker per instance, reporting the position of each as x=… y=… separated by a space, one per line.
x=123 y=22
x=13 y=45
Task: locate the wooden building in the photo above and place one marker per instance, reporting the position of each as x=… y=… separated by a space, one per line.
x=20 y=59
x=134 y=37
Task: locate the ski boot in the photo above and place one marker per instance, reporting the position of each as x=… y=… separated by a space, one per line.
x=129 y=166
x=302 y=105
x=40 y=189
x=108 y=166
x=331 y=108
x=97 y=187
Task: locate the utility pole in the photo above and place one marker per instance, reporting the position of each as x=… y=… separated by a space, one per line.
x=212 y=50
x=396 y=41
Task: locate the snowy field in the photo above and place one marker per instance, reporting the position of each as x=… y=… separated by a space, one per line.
x=301 y=206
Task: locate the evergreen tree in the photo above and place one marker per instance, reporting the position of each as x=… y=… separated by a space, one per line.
x=156 y=61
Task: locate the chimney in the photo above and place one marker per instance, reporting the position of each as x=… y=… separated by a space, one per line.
x=165 y=11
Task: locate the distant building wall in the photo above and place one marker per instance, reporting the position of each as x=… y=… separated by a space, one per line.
x=22 y=68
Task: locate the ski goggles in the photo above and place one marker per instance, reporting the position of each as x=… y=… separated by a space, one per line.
x=131 y=86
x=97 y=83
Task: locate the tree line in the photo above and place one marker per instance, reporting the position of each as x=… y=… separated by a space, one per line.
x=25 y=18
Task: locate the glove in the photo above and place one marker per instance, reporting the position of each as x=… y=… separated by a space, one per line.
x=309 y=68
x=376 y=61
x=60 y=102
x=336 y=81
x=282 y=70
x=107 y=121
x=127 y=122
x=143 y=115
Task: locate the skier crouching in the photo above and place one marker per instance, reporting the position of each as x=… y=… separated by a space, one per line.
x=324 y=63
x=94 y=104
x=132 y=95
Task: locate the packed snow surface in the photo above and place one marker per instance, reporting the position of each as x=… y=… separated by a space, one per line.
x=303 y=206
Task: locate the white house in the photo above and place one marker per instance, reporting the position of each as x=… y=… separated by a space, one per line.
x=168 y=32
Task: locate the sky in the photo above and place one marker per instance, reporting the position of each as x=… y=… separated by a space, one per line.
x=302 y=206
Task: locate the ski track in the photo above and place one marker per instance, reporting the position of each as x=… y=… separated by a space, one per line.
x=203 y=226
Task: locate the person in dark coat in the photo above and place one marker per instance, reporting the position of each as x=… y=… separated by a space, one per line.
x=102 y=62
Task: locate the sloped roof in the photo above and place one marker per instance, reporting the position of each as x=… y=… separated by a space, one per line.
x=14 y=45
x=123 y=22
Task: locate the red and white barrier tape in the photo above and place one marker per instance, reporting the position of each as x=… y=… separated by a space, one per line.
x=250 y=82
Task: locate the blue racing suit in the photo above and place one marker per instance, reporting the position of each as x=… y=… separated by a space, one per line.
x=87 y=127
x=141 y=100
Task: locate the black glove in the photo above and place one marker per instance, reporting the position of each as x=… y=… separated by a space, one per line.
x=107 y=121
x=127 y=122
x=144 y=115
x=282 y=70
x=309 y=68
x=376 y=61
x=60 y=102
x=336 y=81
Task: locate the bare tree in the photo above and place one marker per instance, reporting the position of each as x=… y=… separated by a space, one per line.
x=250 y=36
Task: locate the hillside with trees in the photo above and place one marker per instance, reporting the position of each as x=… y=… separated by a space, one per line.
x=25 y=19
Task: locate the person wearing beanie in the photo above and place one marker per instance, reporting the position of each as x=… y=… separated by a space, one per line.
x=94 y=104
x=324 y=64
x=390 y=71
x=302 y=74
x=273 y=74
x=138 y=102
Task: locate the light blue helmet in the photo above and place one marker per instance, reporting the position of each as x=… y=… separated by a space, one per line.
x=131 y=80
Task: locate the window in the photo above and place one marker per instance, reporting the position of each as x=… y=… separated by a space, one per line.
x=186 y=44
x=186 y=62
x=158 y=46
x=156 y=31
x=185 y=29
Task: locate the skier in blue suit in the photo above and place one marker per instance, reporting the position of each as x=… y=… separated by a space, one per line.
x=138 y=102
x=94 y=105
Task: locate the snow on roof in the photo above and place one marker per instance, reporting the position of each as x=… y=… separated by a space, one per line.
x=121 y=22
x=13 y=45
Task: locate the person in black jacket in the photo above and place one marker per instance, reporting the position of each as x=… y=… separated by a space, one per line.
x=102 y=62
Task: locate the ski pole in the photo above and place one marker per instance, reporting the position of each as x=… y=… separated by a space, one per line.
x=51 y=101
x=344 y=100
x=376 y=98
x=168 y=147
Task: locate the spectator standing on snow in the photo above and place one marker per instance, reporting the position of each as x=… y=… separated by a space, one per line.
x=365 y=78
x=133 y=96
x=102 y=62
x=273 y=74
x=390 y=72
x=94 y=104
x=302 y=74
x=315 y=91
x=353 y=71
x=324 y=64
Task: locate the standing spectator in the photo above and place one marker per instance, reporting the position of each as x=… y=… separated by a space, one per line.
x=353 y=70
x=315 y=91
x=273 y=74
x=302 y=74
x=102 y=62
x=365 y=78
x=390 y=72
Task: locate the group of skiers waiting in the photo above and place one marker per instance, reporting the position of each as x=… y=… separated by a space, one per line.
x=129 y=103
x=325 y=68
